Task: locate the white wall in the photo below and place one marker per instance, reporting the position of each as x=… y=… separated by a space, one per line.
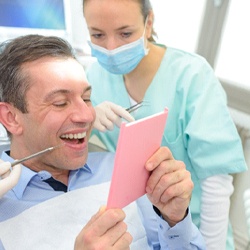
x=78 y=26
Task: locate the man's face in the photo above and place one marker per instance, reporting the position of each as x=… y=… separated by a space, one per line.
x=59 y=112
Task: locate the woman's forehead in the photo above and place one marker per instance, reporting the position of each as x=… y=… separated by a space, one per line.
x=124 y=10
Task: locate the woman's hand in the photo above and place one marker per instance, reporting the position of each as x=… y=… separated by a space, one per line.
x=8 y=177
x=109 y=114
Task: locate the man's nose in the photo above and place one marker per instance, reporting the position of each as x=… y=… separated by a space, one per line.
x=83 y=112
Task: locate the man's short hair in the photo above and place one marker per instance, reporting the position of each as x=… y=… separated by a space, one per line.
x=16 y=52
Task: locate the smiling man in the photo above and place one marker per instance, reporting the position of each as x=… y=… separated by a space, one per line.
x=50 y=96
x=45 y=102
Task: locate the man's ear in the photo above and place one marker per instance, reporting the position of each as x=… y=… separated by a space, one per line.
x=8 y=117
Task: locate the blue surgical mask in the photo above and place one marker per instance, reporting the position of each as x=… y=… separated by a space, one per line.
x=121 y=60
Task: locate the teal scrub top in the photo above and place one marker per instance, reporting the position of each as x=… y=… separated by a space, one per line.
x=199 y=129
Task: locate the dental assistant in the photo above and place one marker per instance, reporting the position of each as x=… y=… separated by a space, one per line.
x=132 y=68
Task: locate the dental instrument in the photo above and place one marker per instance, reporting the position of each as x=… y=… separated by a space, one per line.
x=134 y=107
x=35 y=155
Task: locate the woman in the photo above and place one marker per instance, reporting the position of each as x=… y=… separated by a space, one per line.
x=8 y=176
x=132 y=68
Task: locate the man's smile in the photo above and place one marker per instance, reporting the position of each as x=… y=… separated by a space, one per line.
x=74 y=138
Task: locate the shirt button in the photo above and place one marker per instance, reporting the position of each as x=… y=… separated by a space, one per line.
x=43 y=175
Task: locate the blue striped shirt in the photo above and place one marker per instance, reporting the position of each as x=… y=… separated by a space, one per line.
x=33 y=189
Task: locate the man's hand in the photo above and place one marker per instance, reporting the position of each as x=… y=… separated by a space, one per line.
x=109 y=114
x=105 y=230
x=8 y=178
x=169 y=186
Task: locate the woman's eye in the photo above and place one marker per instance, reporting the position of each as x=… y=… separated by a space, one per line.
x=126 y=34
x=97 y=36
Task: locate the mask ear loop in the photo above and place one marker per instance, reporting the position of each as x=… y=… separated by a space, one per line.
x=145 y=41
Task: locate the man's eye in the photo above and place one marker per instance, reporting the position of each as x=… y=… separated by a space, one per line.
x=60 y=104
x=86 y=100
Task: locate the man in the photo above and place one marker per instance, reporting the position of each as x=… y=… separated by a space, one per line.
x=45 y=101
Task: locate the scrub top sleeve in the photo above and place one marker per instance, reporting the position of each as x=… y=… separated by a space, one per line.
x=213 y=144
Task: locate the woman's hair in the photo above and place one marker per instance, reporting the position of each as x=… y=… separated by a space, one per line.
x=146 y=7
x=14 y=53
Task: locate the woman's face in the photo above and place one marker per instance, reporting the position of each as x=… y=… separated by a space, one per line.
x=113 y=23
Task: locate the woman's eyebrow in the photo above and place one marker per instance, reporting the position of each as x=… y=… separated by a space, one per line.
x=93 y=29
x=123 y=27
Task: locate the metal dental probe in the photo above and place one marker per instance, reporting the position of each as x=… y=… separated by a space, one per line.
x=35 y=155
x=134 y=107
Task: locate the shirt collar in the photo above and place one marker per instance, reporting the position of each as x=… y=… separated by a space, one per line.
x=27 y=174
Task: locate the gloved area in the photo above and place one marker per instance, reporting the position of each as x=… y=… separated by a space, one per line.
x=109 y=114
x=8 y=176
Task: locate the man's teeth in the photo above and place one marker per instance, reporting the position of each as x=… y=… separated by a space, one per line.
x=74 y=136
